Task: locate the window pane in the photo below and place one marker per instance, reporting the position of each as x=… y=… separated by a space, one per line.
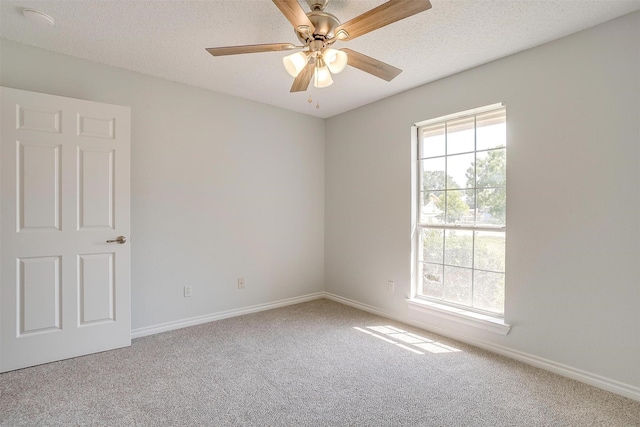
x=432 y=246
x=432 y=285
x=432 y=141
x=433 y=174
x=491 y=168
x=460 y=171
x=470 y=199
x=458 y=248
x=460 y=136
x=491 y=130
x=457 y=285
x=432 y=207
x=489 y=250
x=458 y=211
x=488 y=291
x=462 y=187
x=491 y=206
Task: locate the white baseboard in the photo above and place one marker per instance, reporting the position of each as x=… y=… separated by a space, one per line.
x=178 y=324
x=617 y=387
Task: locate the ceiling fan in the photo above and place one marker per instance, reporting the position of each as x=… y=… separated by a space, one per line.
x=319 y=30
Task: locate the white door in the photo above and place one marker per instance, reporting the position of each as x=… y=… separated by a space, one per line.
x=64 y=175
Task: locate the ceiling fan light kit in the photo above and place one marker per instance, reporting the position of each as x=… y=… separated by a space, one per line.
x=329 y=61
x=319 y=30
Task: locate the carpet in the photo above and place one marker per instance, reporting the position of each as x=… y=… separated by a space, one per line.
x=318 y=363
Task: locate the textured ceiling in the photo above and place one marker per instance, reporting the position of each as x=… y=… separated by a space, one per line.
x=168 y=39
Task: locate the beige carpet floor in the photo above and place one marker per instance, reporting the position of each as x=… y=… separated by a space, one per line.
x=314 y=364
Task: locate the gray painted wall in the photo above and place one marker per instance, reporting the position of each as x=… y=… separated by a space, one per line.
x=573 y=210
x=221 y=187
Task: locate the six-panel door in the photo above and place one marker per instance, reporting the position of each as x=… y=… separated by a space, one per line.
x=64 y=290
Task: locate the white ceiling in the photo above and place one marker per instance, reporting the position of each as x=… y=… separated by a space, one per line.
x=168 y=38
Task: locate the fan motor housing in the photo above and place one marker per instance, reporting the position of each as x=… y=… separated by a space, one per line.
x=324 y=23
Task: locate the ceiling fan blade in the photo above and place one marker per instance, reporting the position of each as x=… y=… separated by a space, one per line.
x=301 y=83
x=385 y=14
x=252 y=48
x=292 y=10
x=370 y=65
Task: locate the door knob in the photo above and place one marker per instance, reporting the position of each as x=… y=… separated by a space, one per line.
x=119 y=239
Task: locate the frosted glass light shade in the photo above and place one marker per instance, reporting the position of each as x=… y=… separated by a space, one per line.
x=335 y=59
x=322 y=77
x=295 y=63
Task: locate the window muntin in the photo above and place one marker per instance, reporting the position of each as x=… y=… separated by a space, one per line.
x=462 y=211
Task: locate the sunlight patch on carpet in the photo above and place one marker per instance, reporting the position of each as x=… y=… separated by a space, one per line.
x=407 y=340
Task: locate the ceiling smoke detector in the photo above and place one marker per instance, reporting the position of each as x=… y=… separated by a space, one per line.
x=38 y=17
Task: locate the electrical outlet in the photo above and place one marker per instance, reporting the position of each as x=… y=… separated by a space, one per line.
x=241 y=283
x=187 y=291
x=392 y=286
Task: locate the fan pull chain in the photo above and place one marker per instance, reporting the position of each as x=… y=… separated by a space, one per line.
x=310 y=100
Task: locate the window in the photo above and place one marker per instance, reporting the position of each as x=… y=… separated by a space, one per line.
x=462 y=210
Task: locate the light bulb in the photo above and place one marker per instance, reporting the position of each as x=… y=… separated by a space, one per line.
x=322 y=77
x=294 y=63
x=336 y=60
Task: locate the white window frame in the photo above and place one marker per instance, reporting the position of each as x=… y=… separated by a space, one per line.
x=485 y=320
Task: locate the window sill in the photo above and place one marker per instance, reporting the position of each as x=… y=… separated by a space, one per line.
x=481 y=321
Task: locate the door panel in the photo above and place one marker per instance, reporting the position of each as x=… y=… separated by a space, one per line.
x=39 y=295
x=38 y=186
x=96 y=127
x=96 y=174
x=64 y=175
x=38 y=119
x=96 y=284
